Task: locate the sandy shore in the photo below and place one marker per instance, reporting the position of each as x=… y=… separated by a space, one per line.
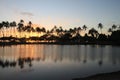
x=104 y=76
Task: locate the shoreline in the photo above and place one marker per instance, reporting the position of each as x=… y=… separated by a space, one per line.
x=102 y=76
x=61 y=43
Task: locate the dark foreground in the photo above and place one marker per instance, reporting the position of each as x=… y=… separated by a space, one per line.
x=104 y=76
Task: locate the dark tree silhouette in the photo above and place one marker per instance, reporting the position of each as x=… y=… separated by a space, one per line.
x=100 y=26
x=84 y=27
x=56 y=34
x=20 y=27
x=38 y=30
x=5 y=26
x=114 y=27
x=60 y=31
x=1 y=26
x=13 y=25
x=93 y=32
x=110 y=30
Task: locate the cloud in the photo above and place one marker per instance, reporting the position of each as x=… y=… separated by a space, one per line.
x=27 y=13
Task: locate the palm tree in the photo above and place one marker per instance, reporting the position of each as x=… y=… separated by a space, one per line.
x=5 y=26
x=13 y=25
x=1 y=26
x=93 y=32
x=71 y=31
x=75 y=31
x=100 y=26
x=84 y=27
x=60 y=31
x=53 y=29
x=30 y=23
x=79 y=29
x=114 y=27
x=30 y=27
x=38 y=30
x=110 y=30
x=20 y=26
x=43 y=29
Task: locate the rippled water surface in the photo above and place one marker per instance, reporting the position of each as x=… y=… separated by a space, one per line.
x=56 y=62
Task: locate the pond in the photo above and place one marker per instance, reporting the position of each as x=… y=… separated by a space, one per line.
x=56 y=62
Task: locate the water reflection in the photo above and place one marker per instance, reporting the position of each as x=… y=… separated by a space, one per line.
x=21 y=55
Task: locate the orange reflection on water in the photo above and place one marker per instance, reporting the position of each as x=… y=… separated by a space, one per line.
x=21 y=51
x=26 y=51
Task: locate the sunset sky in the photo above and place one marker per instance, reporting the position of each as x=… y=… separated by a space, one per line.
x=65 y=13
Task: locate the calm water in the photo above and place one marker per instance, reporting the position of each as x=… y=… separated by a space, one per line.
x=56 y=62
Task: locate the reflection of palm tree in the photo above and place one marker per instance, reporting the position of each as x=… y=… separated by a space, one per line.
x=100 y=25
x=85 y=56
x=101 y=57
x=21 y=62
x=78 y=53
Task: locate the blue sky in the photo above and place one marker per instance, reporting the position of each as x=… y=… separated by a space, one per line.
x=66 y=13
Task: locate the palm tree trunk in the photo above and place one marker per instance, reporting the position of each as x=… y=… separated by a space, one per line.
x=101 y=31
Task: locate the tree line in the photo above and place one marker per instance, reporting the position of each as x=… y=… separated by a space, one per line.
x=56 y=34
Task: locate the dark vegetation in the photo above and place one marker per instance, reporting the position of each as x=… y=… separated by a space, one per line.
x=57 y=35
x=103 y=76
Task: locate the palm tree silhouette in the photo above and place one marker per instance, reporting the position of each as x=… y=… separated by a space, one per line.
x=57 y=34
x=20 y=27
x=1 y=26
x=5 y=26
x=84 y=27
x=114 y=27
x=30 y=28
x=100 y=26
x=93 y=32
x=43 y=29
x=110 y=30
x=30 y=23
x=79 y=30
x=60 y=31
x=13 y=25
x=38 y=30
